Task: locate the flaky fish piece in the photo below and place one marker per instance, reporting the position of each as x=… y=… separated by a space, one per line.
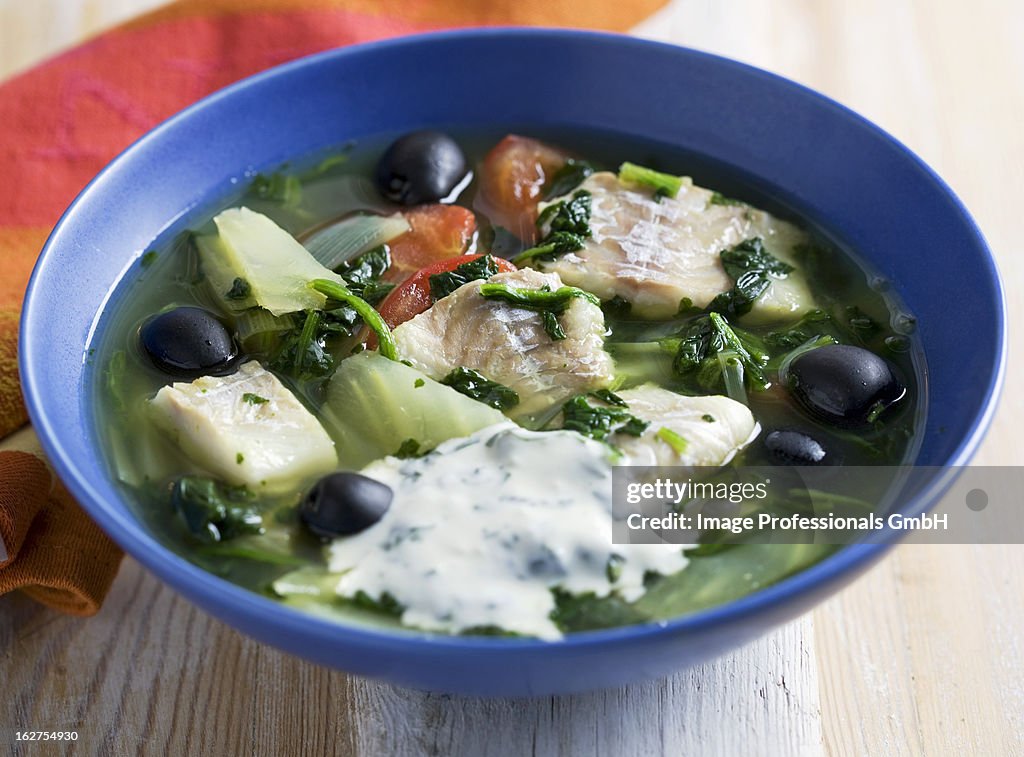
x=654 y=253
x=703 y=430
x=509 y=344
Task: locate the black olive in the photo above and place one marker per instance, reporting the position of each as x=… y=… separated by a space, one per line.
x=844 y=385
x=343 y=503
x=189 y=342
x=788 y=447
x=424 y=166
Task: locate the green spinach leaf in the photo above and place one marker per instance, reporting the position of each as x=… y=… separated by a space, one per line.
x=568 y=215
x=567 y=224
x=213 y=511
x=303 y=353
x=567 y=178
x=599 y=421
x=362 y=274
x=704 y=337
x=749 y=265
x=548 y=303
x=443 y=284
x=472 y=384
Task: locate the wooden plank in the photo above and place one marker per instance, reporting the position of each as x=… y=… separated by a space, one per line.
x=931 y=664
x=151 y=674
x=32 y=31
x=923 y=655
x=769 y=688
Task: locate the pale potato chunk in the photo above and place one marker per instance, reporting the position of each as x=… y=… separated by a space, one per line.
x=509 y=345
x=224 y=425
x=654 y=254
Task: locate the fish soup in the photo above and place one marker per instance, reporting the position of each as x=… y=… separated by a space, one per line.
x=390 y=385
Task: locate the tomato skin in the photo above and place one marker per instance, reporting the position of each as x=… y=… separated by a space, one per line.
x=438 y=232
x=512 y=180
x=412 y=297
x=409 y=298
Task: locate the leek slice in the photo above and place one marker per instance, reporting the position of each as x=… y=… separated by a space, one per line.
x=347 y=239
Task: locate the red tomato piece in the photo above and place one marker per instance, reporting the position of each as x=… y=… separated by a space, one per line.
x=438 y=232
x=412 y=297
x=512 y=179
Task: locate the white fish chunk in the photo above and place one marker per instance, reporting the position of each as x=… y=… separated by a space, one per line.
x=714 y=428
x=654 y=254
x=246 y=428
x=509 y=344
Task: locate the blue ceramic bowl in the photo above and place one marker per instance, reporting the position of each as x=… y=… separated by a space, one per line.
x=865 y=189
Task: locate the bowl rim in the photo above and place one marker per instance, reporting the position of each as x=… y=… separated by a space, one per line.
x=129 y=533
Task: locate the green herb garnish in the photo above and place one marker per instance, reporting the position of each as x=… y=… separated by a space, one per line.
x=254 y=399
x=580 y=612
x=673 y=440
x=551 y=326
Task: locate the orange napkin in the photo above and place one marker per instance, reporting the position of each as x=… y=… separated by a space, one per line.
x=64 y=120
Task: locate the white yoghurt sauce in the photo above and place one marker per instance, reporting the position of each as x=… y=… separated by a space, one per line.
x=482 y=529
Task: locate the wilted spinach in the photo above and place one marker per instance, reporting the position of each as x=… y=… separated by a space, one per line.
x=213 y=511
x=472 y=384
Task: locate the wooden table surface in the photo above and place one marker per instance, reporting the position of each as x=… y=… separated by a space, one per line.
x=923 y=655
